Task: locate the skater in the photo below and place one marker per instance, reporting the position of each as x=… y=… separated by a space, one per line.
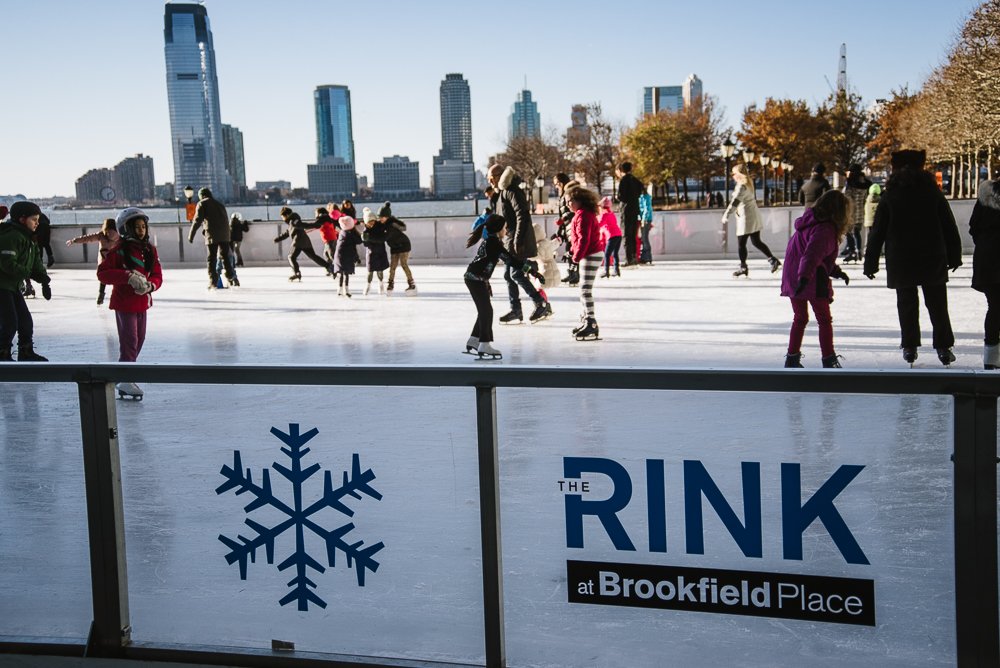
x=915 y=224
x=237 y=228
x=107 y=237
x=810 y=262
x=588 y=251
x=328 y=233
x=611 y=236
x=20 y=259
x=512 y=204
x=211 y=213
x=856 y=190
x=564 y=185
x=376 y=257
x=984 y=227
x=871 y=204
x=43 y=237
x=345 y=256
x=813 y=189
x=629 y=190
x=646 y=220
x=298 y=230
x=489 y=236
x=748 y=221
x=399 y=248
x=132 y=268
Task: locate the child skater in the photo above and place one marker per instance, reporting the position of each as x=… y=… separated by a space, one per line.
x=611 y=234
x=477 y=278
x=107 y=237
x=132 y=268
x=810 y=262
x=377 y=258
x=328 y=232
x=587 y=252
x=345 y=256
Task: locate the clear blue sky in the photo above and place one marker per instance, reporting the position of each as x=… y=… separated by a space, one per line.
x=84 y=82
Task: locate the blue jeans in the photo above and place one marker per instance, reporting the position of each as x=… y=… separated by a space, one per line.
x=515 y=277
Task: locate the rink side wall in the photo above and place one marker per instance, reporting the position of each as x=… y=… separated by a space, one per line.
x=679 y=235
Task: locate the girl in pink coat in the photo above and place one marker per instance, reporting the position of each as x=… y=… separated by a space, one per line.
x=107 y=237
x=611 y=234
x=586 y=249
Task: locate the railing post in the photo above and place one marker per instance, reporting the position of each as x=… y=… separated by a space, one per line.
x=111 y=629
x=976 y=617
x=489 y=525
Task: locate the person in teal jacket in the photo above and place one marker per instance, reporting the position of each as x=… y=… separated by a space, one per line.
x=20 y=259
x=646 y=223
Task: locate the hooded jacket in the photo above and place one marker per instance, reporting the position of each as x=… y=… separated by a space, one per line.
x=585 y=235
x=811 y=255
x=813 y=189
x=126 y=256
x=396 y=237
x=984 y=226
x=212 y=213
x=20 y=257
x=512 y=204
x=298 y=230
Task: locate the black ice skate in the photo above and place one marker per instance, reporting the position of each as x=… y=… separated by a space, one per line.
x=910 y=356
x=512 y=317
x=946 y=356
x=541 y=312
x=742 y=271
x=234 y=282
x=487 y=353
x=793 y=361
x=832 y=362
x=581 y=326
x=129 y=391
x=590 y=331
x=775 y=263
x=26 y=353
x=295 y=277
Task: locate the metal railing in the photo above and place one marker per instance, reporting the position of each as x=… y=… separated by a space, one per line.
x=975 y=480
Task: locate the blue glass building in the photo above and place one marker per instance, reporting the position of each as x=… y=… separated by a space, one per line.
x=334 y=131
x=193 y=98
x=524 y=119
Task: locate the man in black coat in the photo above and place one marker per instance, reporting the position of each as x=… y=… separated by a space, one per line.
x=814 y=188
x=915 y=224
x=512 y=204
x=211 y=213
x=629 y=191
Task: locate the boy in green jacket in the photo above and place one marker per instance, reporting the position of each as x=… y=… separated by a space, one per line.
x=20 y=259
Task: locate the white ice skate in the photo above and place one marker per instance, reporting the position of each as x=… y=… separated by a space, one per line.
x=472 y=346
x=487 y=352
x=129 y=391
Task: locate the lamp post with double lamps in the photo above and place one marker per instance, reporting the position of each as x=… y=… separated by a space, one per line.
x=765 y=160
x=748 y=156
x=728 y=148
x=788 y=167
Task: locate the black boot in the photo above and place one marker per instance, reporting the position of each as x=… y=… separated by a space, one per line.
x=945 y=356
x=5 y=355
x=910 y=355
x=25 y=353
x=512 y=317
x=742 y=271
x=775 y=263
x=793 y=361
x=590 y=331
x=832 y=362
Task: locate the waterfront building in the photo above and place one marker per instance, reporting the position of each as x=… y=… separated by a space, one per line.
x=334 y=130
x=671 y=98
x=454 y=171
x=132 y=180
x=193 y=100
x=524 y=120
x=396 y=177
x=454 y=177
x=579 y=132
x=232 y=148
x=332 y=177
x=91 y=186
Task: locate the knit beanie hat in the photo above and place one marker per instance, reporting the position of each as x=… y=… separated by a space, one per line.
x=385 y=210
x=495 y=223
x=908 y=158
x=24 y=209
x=875 y=189
x=346 y=223
x=367 y=215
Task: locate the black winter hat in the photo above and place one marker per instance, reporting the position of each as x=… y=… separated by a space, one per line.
x=385 y=211
x=24 y=209
x=908 y=158
x=819 y=168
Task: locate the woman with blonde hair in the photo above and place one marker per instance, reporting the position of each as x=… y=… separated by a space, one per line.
x=748 y=221
x=810 y=262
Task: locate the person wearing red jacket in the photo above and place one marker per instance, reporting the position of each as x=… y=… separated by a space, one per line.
x=587 y=250
x=132 y=268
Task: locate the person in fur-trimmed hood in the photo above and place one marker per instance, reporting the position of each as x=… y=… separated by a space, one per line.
x=984 y=226
x=915 y=224
x=399 y=248
x=513 y=205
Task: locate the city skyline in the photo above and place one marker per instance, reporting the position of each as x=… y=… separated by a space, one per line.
x=267 y=74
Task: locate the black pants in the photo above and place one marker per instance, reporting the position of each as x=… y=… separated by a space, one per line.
x=992 y=324
x=15 y=318
x=214 y=251
x=311 y=254
x=936 y=301
x=480 y=291
x=630 y=225
x=755 y=240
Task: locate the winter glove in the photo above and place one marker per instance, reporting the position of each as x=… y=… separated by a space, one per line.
x=803 y=282
x=277 y=240
x=955 y=267
x=138 y=283
x=530 y=267
x=847 y=279
x=838 y=272
x=46 y=291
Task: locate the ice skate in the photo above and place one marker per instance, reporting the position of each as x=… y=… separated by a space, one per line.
x=793 y=361
x=910 y=356
x=472 y=346
x=487 y=352
x=832 y=362
x=381 y=287
x=234 y=282
x=129 y=391
x=991 y=357
x=742 y=271
x=29 y=292
x=26 y=353
x=590 y=331
x=411 y=290
x=513 y=316
x=946 y=356
x=583 y=324
x=5 y=355
x=775 y=263
x=368 y=288
x=541 y=312
x=295 y=277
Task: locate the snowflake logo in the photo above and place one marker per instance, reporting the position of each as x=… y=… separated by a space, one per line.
x=299 y=518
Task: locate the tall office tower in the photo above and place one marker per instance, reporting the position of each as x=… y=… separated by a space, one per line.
x=579 y=132
x=232 y=148
x=454 y=172
x=133 y=179
x=691 y=90
x=524 y=119
x=193 y=98
x=662 y=98
x=334 y=130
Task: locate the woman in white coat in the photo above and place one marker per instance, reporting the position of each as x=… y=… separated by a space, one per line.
x=748 y=221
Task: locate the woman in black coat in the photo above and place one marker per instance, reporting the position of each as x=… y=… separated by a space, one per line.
x=915 y=224
x=984 y=226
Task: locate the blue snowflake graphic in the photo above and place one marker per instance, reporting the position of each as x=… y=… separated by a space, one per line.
x=299 y=518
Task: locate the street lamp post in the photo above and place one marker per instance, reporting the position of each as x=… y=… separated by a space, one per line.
x=788 y=179
x=539 y=186
x=728 y=148
x=748 y=156
x=764 y=162
x=267 y=206
x=189 y=193
x=177 y=208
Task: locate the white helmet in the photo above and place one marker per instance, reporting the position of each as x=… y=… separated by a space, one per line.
x=126 y=215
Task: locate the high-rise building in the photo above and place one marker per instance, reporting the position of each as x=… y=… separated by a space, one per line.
x=524 y=119
x=691 y=90
x=193 y=100
x=579 y=132
x=662 y=98
x=396 y=176
x=232 y=148
x=332 y=177
x=454 y=171
x=89 y=187
x=334 y=130
x=132 y=180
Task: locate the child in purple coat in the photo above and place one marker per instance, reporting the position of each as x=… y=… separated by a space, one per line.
x=810 y=263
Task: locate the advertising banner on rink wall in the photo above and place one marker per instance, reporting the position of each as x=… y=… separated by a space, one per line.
x=715 y=528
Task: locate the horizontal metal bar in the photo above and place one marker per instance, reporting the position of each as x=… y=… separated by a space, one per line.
x=617 y=378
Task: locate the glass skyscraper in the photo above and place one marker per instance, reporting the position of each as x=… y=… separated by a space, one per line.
x=524 y=119
x=334 y=131
x=454 y=172
x=193 y=98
